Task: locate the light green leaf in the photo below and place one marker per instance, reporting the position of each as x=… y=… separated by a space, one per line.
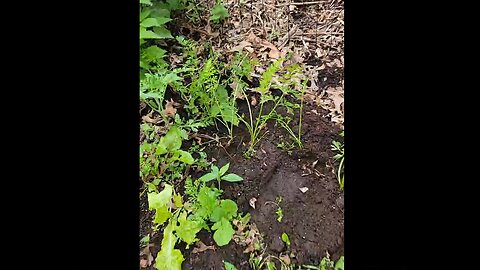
x=177 y=200
x=162 y=20
x=188 y=228
x=231 y=177
x=219 y=12
x=146 y=2
x=161 y=199
x=172 y=140
x=227 y=209
x=207 y=200
x=224 y=169
x=171 y=77
x=208 y=177
x=229 y=266
x=223 y=232
x=162 y=214
x=154 y=52
x=183 y=156
x=339 y=265
x=169 y=258
x=144 y=33
x=271 y=266
x=144 y=14
x=162 y=32
x=286 y=239
x=149 y=22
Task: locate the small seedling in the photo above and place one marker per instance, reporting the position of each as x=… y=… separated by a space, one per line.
x=229 y=266
x=285 y=239
x=219 y=12
x=279 y=211
x=339 y=148
x=219 y=175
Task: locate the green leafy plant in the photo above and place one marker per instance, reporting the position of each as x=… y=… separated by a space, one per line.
x=279 y=211
x=218 y=174
x=286 y=85
x=327 y=264
x=219 y=12
x=339 y=148
x=204 y=210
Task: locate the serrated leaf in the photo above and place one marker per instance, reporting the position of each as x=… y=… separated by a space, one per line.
x=162 y=32
x=231 y=177
x=161 y=199
x=224 y=169
x=339 y=265
x=177 y=200
x=162 y=214
x=207 y=200
x=223 y=232
x=171 y=77
x=188 y=228
x=169 y=258
x=227 y=209
x=229 y=266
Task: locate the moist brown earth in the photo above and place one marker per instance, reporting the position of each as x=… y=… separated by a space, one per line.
x=313 y=220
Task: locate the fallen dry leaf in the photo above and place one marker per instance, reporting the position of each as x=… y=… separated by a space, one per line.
x=286 y=259
x=170 y=109
x=303 y=189
x=253 y=101
x=143 y=263
x=241 y=46
x=252 y=202
x=201 y=247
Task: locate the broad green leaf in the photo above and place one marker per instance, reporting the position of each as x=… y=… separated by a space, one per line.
x=208 y=177
x=286 y=239
x=162 y=20
x=224 y=169
x=215 y=169
x=172 y=140
x=162 y=32
x=231 y=177
x=149 y=22
x=227 y=209
x=207 y=200
x=174 y=4
x=171 y=77
x=144 y=33
x=219 y=12
x=161 y=199
x=169 y=258
x=144 y=14
x=161 y=215
x=183 y=156
x=188 y=228
x=229 y=266
x=339 y=265
x=146 y=2
x=223 y=232
x=154 y=52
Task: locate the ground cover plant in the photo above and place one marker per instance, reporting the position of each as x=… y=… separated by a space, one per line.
x=241 y=160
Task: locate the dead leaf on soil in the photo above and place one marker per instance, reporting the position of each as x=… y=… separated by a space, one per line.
x=286 y=259
x=252 y=202
x=170 y=109
x=303 y=189
x=201 y=247
x=241 y=46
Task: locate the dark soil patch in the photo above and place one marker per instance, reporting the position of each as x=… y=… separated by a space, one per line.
x=313 y=220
